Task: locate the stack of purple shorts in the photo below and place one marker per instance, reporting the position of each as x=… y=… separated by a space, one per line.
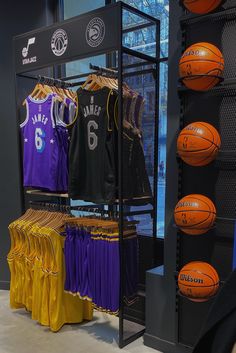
x=92 y=264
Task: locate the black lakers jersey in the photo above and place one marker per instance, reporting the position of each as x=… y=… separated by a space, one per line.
x=135 y=178
x=92 y=170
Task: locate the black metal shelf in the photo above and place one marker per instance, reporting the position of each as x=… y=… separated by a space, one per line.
x=196 y=300
x=37 y=192
x=219 y=219
x=223 y=14
x=94 y=208
x=136 y=201
x=226 y=160
x=225 y=219
x=228 y=86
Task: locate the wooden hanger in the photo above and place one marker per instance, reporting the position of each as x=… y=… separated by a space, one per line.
x=38 y=89
x=92 y=83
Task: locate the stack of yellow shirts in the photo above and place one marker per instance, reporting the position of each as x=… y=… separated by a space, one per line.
x=36 y=262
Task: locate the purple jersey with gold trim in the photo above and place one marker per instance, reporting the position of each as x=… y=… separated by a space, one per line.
x=41 y=144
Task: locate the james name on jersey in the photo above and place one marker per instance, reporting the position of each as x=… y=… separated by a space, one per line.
x=92 y=109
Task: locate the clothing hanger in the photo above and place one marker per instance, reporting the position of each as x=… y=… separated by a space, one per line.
x=111 y=83
x=55 y=219
x=43 y=91
x=88 y=80
x=90 y=222
x=38 y=89
x=92 y=83
x=95 y=84
x=69 y=93
x=38 y=239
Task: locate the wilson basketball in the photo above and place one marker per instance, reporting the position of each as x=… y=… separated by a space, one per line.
x=198 y=144
x=195 y=214
x=198 y=281
x=201 y=66
x=201 y=6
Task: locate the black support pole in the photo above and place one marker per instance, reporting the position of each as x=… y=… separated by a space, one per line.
x=120 y=172
x=156 y=132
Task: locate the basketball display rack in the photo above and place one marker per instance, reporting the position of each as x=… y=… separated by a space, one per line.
x=45 y=52
x=179 y=320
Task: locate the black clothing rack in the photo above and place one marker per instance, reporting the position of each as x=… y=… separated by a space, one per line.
x=94 y=209
x=53 y=82
x=99 y=70
x=103 y=70
x=78 y=45
x=55 y=206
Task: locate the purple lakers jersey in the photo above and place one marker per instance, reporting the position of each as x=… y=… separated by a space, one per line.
x=41 y=144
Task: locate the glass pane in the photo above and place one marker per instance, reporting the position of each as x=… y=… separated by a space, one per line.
x=140 y=79
x=144 y=40
x=163 y=90
x=138 y=33
x=74 y=7
x=138 y=110
x=82 y=66
x=158 y=9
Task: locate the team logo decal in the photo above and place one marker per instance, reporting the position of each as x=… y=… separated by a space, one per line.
x=59 y=42
x=95 y=32
x=25 y=52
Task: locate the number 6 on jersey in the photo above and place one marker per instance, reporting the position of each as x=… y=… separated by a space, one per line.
x=92 y=137
x=39 y=142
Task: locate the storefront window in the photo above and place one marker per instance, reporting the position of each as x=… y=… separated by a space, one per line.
x=74 y=7
x=143 y=84
x=160 y=10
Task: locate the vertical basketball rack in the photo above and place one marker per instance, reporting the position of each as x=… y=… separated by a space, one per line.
x=216 y=181
x=46 y=63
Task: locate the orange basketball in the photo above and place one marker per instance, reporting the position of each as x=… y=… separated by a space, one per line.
x=198 y=281
x=195 y=214
x=198 y=144
x=201 y=66
x=201 y=6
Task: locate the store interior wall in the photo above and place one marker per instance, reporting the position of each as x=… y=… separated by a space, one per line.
x=15 y=18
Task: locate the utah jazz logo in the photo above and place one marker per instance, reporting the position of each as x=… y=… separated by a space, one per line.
x=95 y=32
x=59 y=42
x=25 y=52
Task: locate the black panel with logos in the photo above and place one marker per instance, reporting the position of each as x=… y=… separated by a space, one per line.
x=59 y=43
